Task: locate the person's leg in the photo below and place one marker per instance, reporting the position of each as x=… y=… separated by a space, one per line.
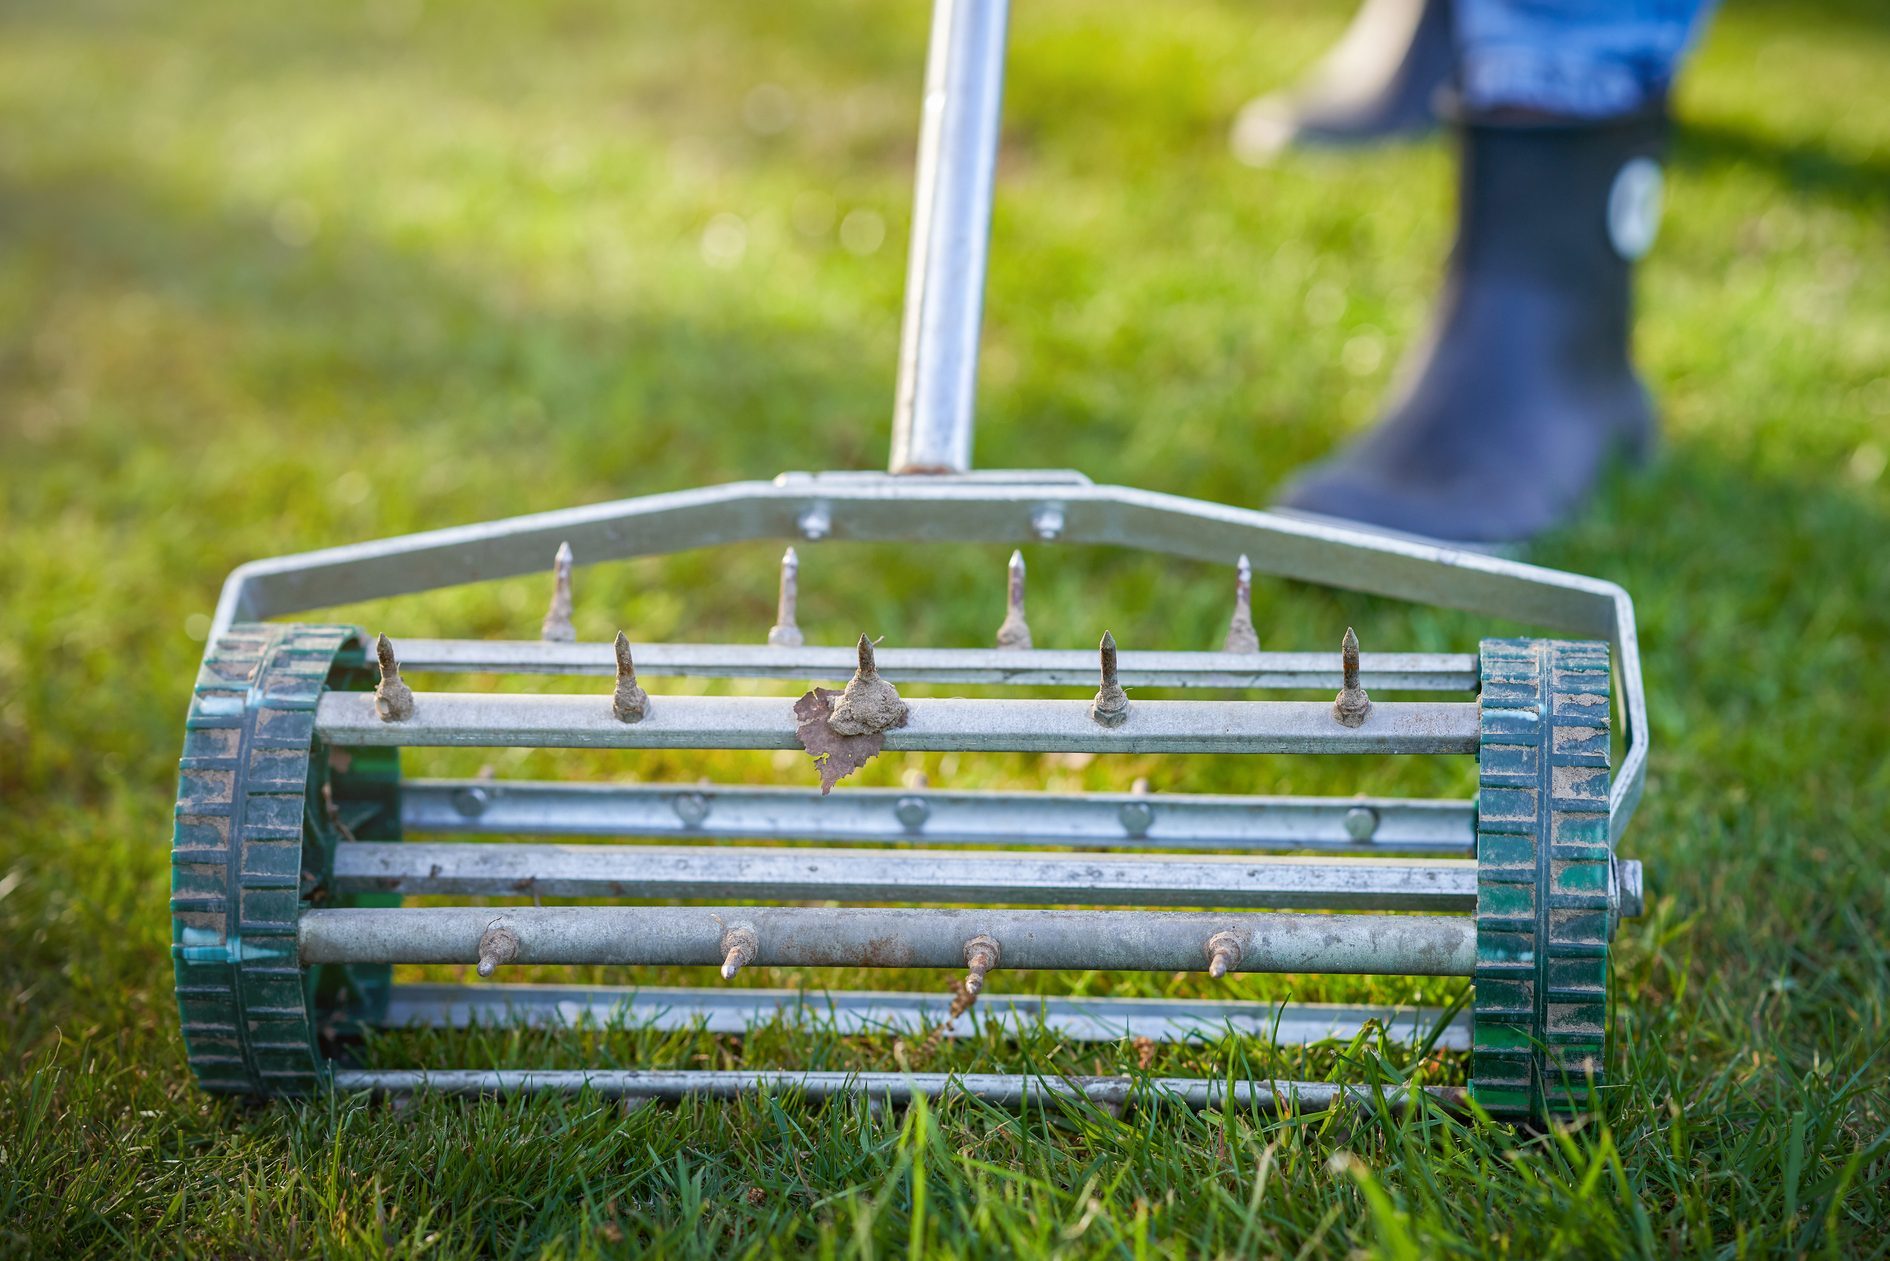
x=1379 y=82
x=1513 y=406
x=1570 y=60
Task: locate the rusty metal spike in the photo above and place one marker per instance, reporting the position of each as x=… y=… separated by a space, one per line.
x=393 y=699
x=498 y=945
x=1015 y=632
x=1352 y=705
x=1241 y=636
x=786 y=632
x=739 y=946
x=1223 y=953
x=629 y=702
x=557 y=627
x=1111 y=706
x=870 y=704
x=981 y=955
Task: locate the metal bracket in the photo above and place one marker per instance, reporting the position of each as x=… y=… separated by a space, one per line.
x=977 y=508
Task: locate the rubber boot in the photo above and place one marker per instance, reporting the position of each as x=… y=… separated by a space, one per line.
x=1379 y=82
x=1511 y=410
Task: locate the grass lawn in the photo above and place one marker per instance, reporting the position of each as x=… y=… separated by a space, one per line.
x=279 y=278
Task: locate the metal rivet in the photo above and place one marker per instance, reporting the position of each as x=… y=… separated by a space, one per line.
x=1361 y=822
x=981 y=955
x=1223 y=954
x=1136 y=817
x=1352 y=706
x=816 y=522
x=471 y=802
x=556 y=627
x=393 y=699
x=1241 y=636
x=786 y=632
x=498 y=945
x=1111 y=706
x=691 y=808
x=911 y=812
x=628 y=701
x=739 y=946
x=1015 y=631
x=1046 y=522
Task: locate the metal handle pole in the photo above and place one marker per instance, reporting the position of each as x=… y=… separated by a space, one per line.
x=951 y=231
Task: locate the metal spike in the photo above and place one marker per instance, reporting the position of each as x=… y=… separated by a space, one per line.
x=498 y=945
x=1223 y=952
x=1015 y=632
x=1241 y=636
x=1111 y=706
x=557 y=627
x=393 y=699
x=629 y=702
x=870 y=704
x=739 y=946
x=786 y=632
x=981 y=955
x=1352 y=704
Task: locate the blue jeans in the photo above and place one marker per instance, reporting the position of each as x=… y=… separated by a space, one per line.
x=1600 y=59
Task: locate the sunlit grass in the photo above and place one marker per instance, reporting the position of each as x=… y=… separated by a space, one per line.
x=277 y=279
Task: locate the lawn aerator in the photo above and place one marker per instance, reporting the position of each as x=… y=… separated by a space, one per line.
x=296 y=835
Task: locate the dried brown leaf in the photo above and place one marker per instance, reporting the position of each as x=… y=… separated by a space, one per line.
x=836 y=755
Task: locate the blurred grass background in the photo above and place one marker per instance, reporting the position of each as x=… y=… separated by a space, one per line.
x=273 y=280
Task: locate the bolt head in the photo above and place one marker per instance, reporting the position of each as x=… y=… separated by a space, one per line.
x=911 y=812
x=1047 y=522
x=691 y=808
x=470 y=803
x=1136 y=817
x=1361 y=822
x=816 y=523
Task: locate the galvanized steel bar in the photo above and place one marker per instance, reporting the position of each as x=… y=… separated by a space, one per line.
x=489 y=720
x=905 y=875
x=898 y=937
x=1383 y=671
x=1001 y=1089
x=849 y=1012
x=489 y=807
x=951 y=230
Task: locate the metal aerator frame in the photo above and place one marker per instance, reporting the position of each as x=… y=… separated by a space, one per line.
x=291 y=848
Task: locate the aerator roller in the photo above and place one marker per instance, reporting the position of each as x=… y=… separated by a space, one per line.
x=297 y=836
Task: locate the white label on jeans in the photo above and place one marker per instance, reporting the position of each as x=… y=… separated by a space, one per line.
x=1634 y=208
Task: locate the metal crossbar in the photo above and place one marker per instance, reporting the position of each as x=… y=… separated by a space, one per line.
x=865 y=816
x=504 y=720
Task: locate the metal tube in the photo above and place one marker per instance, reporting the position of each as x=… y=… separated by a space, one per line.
x=861 y=937
x=493 y=720
x=741 y=812
x=725 y=1009
x=1388 y=671
x=1002 y=1089
x=951 y=230
x=911 y=875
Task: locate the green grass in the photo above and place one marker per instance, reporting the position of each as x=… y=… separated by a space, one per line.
x=273 y=279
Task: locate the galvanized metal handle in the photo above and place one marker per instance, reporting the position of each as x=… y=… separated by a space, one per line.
x=951 y=232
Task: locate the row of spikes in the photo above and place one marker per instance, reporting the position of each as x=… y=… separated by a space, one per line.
x=1013 y=633
x=500 y=945
x=394 y=701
